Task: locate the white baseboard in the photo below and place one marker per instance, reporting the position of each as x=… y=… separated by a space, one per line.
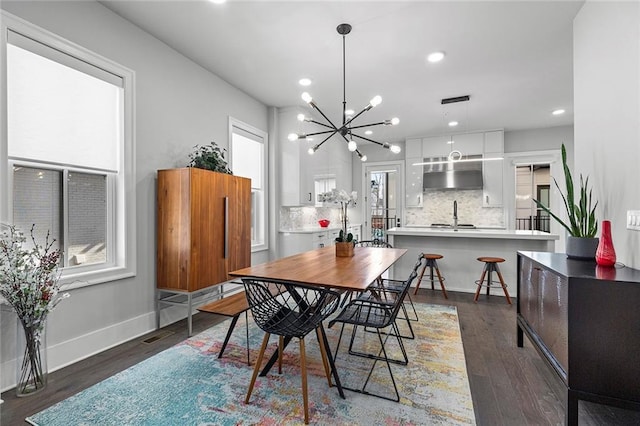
x=81 y=347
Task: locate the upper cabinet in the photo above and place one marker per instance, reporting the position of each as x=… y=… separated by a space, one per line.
x=493 y=169
x=304 y=175
x=488 y=144
x=413 y=174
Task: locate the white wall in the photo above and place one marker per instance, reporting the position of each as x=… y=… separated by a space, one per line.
x=178 y=105
x=607 y=114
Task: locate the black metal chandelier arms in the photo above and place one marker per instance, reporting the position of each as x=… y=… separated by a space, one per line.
x=346 y=128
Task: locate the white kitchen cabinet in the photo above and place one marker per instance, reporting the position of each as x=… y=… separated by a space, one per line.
x=413 y=148
x=468 y=143
x=436 y=146
x=413 y=182
x=493 y=170
x=297 y=242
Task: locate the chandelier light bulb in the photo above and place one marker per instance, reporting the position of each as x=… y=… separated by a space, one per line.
x=395 y=121
x=311 y=151
x=395 y=149
x=307 y=97
x=352 y=145
x=375 y=101
x=300 y=117
x=292 y=137
x=363 y=158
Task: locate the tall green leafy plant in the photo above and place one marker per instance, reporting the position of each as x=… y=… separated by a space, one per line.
x=582 y=217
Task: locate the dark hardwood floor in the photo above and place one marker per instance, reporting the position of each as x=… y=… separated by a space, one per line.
x=510 y=385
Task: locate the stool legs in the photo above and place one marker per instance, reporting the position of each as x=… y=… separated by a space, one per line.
x=487 y=270
x=431 y=264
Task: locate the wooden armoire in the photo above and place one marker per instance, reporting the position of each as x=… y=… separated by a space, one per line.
x=203 y=228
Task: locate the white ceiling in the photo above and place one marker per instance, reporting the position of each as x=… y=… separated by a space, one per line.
x=513 y=58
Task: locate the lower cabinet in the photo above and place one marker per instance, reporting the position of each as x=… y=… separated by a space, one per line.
x=584 y=321
x=297 y=242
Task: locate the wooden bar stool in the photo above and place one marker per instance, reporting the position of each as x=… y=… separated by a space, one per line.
x=432 y=265
x=491 y=265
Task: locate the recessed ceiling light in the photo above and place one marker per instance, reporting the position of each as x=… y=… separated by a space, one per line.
x=435 y=57
x=453 y=123
x=558 y=112
x=368 y=132
x=349 y=112
x=218 y=1
x=304 y=82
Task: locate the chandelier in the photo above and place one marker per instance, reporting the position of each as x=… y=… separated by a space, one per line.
x=346 y=130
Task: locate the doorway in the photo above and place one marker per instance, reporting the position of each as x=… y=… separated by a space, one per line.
x=382 y=186
x=532 y=182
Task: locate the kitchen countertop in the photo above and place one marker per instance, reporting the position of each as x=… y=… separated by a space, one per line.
x=472 y=233
x=314 y=229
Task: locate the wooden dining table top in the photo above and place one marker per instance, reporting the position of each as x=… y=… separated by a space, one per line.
x=323 y=268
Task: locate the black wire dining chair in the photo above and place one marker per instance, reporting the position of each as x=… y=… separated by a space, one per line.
x=289 y=310
x=391 y=284
x=377 y=315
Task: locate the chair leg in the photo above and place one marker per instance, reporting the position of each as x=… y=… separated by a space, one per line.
x=504 y=285
x=303 y=369
x=484 y=272
x=256 y=369
x=444 y=291
x=323 y=354
x=420 y=279
x=280 y=353
x=415 y=313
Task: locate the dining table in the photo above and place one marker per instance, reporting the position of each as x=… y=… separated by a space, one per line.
x=321 y=267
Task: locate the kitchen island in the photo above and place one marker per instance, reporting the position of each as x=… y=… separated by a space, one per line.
x=462 y=247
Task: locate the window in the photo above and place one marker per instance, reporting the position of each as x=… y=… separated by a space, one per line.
x=69 y=150
x=249 y=159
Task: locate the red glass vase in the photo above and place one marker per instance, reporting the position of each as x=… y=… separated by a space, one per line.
x=606 y=254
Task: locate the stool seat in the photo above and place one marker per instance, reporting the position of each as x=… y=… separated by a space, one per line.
x=430 y=262
x=491 y=259
x=490 y=266
x=432 y=256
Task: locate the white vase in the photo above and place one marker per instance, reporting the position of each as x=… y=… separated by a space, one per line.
x=31 y=358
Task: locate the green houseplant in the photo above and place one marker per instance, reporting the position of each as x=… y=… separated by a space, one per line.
x=209 y=157
x=581 y=225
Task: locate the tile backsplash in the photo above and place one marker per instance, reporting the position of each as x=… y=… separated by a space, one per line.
x=437 y=207
x=307 y=217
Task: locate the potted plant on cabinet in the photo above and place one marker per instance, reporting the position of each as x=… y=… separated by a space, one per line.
x=209 y=157
x=581 y=225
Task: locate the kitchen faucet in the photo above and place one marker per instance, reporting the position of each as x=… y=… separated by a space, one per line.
x=455 y=215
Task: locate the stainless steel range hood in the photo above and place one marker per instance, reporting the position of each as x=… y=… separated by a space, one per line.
x=443 y=174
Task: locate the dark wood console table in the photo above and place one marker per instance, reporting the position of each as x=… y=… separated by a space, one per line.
x=584 y=320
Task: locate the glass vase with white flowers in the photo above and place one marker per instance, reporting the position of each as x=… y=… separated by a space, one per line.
x=29 y=283
x=342 y=199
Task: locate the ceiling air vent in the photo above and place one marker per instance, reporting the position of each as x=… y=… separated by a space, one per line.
x=456 y=99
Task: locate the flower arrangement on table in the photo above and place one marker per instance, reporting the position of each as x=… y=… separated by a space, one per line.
x=29 y=283
x=343 y=199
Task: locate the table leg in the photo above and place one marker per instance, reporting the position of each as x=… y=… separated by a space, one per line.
x=334 y=371
x=571 y=409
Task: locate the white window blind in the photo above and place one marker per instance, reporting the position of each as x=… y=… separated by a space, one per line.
x=44 y=88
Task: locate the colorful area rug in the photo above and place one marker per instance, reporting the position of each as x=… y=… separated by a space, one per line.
x=188 y=385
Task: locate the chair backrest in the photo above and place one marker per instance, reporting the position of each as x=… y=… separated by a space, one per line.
x=374 y=243
x=286 y=308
